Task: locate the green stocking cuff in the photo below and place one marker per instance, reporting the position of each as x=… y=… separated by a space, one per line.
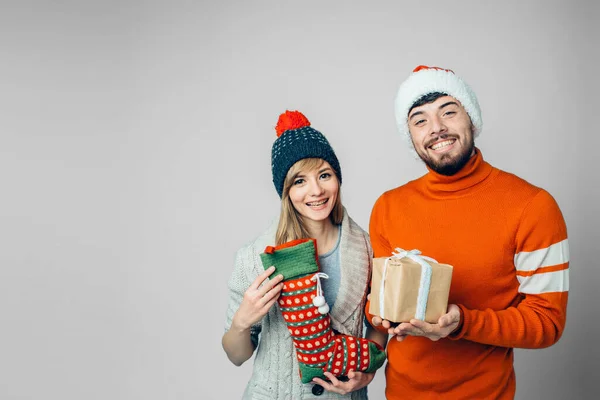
x=292 y=261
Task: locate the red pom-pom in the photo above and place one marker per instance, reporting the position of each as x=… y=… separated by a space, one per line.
x=420 y=67
x=291 y=120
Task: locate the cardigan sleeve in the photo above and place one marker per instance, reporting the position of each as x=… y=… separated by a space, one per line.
x=240 y=280
x=541 y=264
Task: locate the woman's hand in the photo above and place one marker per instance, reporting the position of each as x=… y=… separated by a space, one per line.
x=257 y=300
x=255 y=304
x=356 y=380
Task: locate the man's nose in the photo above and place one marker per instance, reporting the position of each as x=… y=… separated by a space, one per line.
x=437 y=125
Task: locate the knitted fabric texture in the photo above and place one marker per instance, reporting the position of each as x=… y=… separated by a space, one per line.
x=296 y=141
x=425 y=80
x=318 y=348
x=291 y=259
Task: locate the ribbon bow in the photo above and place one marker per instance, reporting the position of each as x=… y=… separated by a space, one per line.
x=424 y=284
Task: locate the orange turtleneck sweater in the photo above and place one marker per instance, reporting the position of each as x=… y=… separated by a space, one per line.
x=507 y=241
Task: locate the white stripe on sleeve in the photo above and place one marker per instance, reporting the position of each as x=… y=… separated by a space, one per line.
x=545 y=282
x=556 y=254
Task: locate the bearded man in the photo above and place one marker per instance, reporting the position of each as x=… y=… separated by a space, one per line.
x=505 y=238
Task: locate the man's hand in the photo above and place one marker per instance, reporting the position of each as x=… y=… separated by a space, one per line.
x=377 y=321
x=356 y=380
x=445 y=326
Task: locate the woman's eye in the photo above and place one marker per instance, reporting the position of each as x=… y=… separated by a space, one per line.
x=298 y=181
x=325 y=175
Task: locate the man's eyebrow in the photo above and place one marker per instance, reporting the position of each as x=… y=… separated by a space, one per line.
x=448 y=104
x=415 y=113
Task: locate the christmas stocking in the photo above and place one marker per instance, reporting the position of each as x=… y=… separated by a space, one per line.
x=307 y=316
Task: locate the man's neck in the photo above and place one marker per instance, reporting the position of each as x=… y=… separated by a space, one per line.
x=475 y=171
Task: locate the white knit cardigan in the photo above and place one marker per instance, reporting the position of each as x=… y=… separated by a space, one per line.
x=275 y=374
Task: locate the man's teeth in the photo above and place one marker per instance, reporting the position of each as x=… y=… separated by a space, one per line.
x=317 y=203
x=442 y=144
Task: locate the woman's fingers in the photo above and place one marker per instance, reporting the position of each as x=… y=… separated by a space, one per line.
x=273 y=282
x=262 y=277
x=268 y=305
x=334 y=380
x=272 y=294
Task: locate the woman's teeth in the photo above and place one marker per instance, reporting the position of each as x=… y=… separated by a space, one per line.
x=317 y=203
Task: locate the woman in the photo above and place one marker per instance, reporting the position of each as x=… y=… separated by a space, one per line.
x=307 y=177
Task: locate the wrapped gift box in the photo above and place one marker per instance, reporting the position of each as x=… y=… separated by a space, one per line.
x=405 y=294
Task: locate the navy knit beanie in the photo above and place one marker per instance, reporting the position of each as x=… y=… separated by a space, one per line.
x=296 y=141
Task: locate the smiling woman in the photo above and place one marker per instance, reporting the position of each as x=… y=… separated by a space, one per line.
x=316 y=326
x=310 y=196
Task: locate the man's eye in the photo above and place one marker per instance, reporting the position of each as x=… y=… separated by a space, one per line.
x=450 y=113
x=420 y=122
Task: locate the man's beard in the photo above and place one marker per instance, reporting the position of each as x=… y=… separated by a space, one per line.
x=447 y=165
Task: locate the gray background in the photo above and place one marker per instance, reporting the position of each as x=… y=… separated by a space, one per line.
x=134 y=161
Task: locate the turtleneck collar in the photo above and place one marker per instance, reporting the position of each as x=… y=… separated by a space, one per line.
x=475 y=171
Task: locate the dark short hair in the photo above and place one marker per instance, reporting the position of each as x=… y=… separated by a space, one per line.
x=426 y=98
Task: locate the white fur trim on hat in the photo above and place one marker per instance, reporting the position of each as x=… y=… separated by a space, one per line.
x=432 y=79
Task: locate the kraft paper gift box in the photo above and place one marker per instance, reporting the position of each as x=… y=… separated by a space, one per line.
x=415 y=287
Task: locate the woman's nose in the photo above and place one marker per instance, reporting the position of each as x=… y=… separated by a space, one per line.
x=315 y=188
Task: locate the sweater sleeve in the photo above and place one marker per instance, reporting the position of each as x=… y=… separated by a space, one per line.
x=542 y=268
x=379 y=243
x=240 y=280
x=381 y=246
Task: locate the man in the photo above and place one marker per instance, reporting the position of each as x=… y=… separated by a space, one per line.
x=505 y=238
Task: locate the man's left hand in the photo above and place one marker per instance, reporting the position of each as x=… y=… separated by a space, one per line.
x=356 y=380
x=445 y=326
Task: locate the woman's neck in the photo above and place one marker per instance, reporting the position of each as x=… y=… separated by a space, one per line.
x=325 y=232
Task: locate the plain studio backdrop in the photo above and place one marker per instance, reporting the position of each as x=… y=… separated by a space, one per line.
x=135 y=160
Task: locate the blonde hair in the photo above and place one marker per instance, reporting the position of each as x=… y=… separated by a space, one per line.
x=291 y=225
